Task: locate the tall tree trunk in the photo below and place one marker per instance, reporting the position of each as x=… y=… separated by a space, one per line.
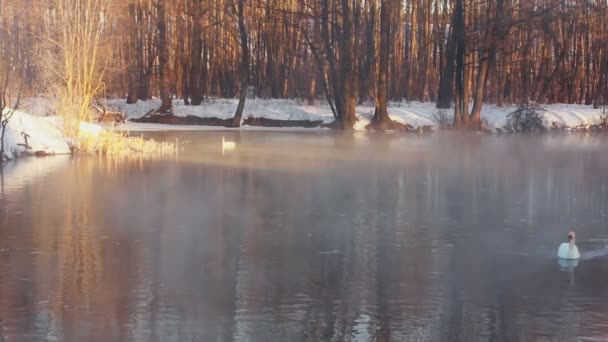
x=459 y=36
x=163 y=62
x=444 y=99
x=482 y=77
x=244 y=65
x=196 y=55
x=146 y=48
x=367 y=71
x=348 y=68
x=205 y=72
x=184 y=60
x=469 y=54
x=381 y=119
x=413 y=53
x=312 y=87
x=133 y=44
x=334 y=80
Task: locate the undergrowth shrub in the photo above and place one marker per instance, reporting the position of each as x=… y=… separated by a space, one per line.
x=527 y=118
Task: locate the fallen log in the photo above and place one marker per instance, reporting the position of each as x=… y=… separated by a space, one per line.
x=190 y=120
x=264 y=122
x=103 y=116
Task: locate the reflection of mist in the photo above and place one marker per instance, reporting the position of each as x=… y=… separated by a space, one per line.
x=314 y=237
x=15 y=174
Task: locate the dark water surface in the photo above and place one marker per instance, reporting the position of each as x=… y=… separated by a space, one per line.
x=309 y=237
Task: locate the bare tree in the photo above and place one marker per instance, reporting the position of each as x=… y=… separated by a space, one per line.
x=7 y=108
x=10 y=73
x=74 y=61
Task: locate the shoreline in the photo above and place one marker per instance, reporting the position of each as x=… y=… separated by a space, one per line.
x=44 y=136
x=415 y=114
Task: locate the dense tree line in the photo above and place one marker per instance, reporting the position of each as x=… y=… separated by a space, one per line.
x=457 y=53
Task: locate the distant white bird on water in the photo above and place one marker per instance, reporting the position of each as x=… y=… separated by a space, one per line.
x=227 y=145
x=568 y=250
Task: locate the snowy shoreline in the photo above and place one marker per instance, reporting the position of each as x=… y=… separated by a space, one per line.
x=44 y=134
x=413 y=113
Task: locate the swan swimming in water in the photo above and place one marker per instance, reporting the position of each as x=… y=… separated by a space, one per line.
x=227 y=145
x=568 y=250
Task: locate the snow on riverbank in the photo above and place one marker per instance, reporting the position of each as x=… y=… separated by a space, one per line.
x=35 y=130
x=413 y=113
x=43 y=135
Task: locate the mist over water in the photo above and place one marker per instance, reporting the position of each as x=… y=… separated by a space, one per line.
x=306 y=236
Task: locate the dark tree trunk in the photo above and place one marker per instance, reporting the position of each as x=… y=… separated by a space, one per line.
x=444 y=98
x=348 y=68
x=133 y=44
x=204 y=72
x=482 y=79
x=184 y=61
x=367 y=72
x=459 y=40
x=163 y=62
x=145 y=66
x=381 y=119
x=196 y=56
x=334 y=80
x=244 y=65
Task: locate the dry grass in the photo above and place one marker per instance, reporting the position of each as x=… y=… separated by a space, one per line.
x=112 y=143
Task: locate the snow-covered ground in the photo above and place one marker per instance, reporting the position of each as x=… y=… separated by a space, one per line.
x=43 y=135
x=413 y=113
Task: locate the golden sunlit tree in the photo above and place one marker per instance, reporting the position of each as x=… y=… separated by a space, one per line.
x=74 y=63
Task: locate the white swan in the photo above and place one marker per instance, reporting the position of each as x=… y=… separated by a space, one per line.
x=568 y=250
x=227 y=145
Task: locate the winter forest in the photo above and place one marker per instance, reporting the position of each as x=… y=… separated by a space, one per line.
x=303 y=170
x=457 y=54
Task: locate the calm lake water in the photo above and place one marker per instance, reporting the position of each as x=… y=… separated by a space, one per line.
x=309 y=237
